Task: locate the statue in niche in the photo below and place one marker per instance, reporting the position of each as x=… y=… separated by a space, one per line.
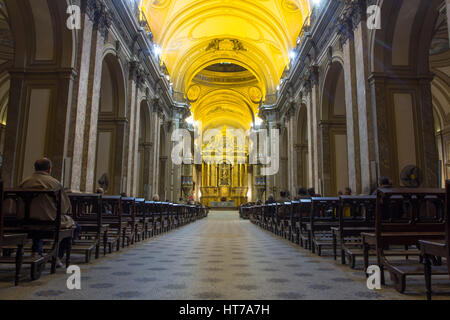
x=224 y=175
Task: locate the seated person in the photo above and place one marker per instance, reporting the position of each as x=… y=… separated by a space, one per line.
x=270 y=199
x=106 y=206
x=348 y=191
x=283 y=197
x=155 y=198
x=312 y=193
x=301 y=194
x=383 y=182
x=44 y=208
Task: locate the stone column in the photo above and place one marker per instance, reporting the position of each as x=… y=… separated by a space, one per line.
x=366 y=138
x=426 y=119
x=156 y=139
x=292 y=154
x=312 y=174
x=313 y=79
x=132 y=132
x=175 y=169
x=354 y=171
x=380 y=124
x=100 y=29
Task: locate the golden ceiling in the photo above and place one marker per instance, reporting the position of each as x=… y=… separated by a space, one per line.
x=226 y=56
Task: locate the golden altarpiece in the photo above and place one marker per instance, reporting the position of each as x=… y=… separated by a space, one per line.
x=225 y=172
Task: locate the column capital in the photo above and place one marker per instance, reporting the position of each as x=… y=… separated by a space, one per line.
x=97 y=12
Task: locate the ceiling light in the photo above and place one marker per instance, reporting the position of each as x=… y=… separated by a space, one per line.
x=292 y=54
x=157 y=50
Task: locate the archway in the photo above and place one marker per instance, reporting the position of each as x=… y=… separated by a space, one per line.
x=144 y=150
x=405 y=95
x=334 y=132
x=34 y=109
x=111 y=126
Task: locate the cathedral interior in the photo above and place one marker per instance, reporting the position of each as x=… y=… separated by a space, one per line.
x=224 y=105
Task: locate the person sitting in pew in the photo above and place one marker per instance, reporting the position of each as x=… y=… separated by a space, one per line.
x=301 y=194
x=155 y=198
x=44 y=209
x=283 y=197
x=106 y=206
x=383 y=182
x=312 y=193
x=270 y=199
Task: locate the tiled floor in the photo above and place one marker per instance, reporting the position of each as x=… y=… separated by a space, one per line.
x=221 y=257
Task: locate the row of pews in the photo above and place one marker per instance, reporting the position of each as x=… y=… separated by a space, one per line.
x=405 y=230
x=107 y=224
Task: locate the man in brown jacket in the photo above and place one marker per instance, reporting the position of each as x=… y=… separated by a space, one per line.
x=44 y=209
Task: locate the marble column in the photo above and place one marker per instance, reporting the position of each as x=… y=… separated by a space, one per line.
x=292 y=154
x=132 y=132
x=354 y=171
x=312 y=174
x=79 y=102
x=428 y=137
x=315 y=106
x=366 y=136
x=380 y=122
x=92 y=107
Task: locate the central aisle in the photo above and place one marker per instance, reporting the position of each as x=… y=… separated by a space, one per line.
x=220 y=257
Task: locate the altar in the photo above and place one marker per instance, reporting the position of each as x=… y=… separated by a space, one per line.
x=222 y=204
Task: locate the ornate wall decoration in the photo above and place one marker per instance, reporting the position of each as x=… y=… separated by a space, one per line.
x=193 y=93
x=255 y=94
x=160 y=4
x=225 y=45
x=290 y=6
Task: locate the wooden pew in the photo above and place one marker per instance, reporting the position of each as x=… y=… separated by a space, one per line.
x=435 y=248
x=244 y=211
x=50 y=231
x=303 y=217
x=173 y=216
x=87 y=210
x=293 y=222
x=153 y=212
x=281 y=219
x=112 y=215
x=356 y=215
x=268 y=217
x=164 y=216
x=145 y=226
x=323 y=217
x=403 y=217
x=256 y=215
x=16 y=241
x=129 y=215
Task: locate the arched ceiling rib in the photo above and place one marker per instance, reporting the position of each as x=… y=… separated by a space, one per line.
x=256 y=35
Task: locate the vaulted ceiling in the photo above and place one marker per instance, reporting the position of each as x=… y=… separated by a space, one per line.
x=226 y=56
